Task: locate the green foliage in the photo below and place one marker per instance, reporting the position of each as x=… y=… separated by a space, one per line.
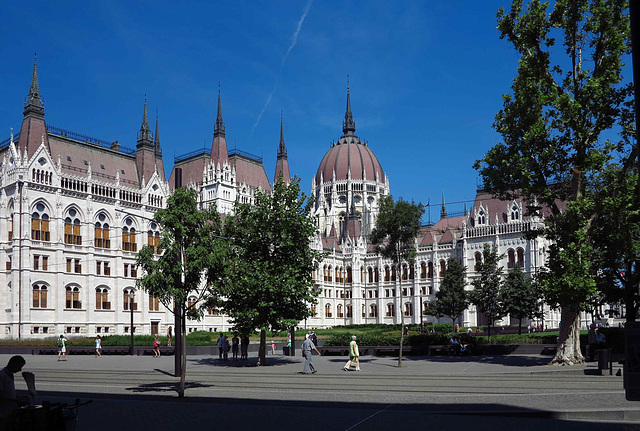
x=396 y=228
x=272 y=262
x=191 y=258
x=487 y=292
x=451 y=299
x=521 y=297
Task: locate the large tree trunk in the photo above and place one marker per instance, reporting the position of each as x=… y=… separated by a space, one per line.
x=568 y=349
x=262 y=357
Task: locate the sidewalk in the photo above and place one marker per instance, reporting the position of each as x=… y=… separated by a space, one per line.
x=514 y=386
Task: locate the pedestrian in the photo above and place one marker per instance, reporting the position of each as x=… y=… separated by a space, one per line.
x=244 y=347
x=273 y=348
x=62 y=347
x=354 y=354
x=169 y=334
x=156 y=347
x=307 y=347
x=219 y=343
x=314 y=337
x=406 y=330
x=235 y=342
x=457 y=328
x=9 y=401
x=225 y=347
x=98 y=346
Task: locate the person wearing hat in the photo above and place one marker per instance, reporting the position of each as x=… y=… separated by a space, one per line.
x=354 y=354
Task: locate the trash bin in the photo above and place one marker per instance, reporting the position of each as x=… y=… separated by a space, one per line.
x=604 y=358
x=285 y=350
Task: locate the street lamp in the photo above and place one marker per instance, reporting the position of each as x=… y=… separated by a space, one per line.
x=131 y=296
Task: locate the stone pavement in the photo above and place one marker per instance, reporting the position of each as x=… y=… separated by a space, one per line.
x=427 y=392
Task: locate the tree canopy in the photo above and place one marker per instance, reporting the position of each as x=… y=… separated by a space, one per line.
x=487 y=288
x=451 y=298
x=271 y=282
x=521 y=296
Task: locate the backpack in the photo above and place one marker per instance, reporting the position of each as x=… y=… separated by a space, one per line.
x=59 y=342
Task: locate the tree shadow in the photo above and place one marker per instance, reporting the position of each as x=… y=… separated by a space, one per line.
x=248 y=363
x=166 y=387
x=505 y=360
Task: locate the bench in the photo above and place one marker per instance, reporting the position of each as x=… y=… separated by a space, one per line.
x=438 y=350
x=333 y=350
x=165 y=350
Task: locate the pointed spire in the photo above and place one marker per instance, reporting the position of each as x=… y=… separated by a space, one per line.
x=34 y=103
x=156 y=138
x=218 y=130
x=144 y=135
x=282 y=150
x=282 y=164
x=443 y=211
x=348 y=125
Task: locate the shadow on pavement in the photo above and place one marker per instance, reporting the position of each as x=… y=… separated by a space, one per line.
x=166 y=387
x=505 y=360
x=252 y=362
x=148 y=411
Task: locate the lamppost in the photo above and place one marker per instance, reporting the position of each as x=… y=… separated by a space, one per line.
x=131 y=296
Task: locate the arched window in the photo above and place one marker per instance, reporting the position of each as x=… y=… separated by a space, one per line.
x=339 y=311
x=40 y=296
x=373 y=310
x=102 y=299
x=129 y=296
x=423 y=270
x=376 y=275
x=520 y=261
x=405 y=274
x=370 y=271
x=393 y=273
x=349 y=275
x=515 y=212
x=387 y=276
x=511 y=256
x=72 y=228
x=154 y=302
x=443 y=268
x=338 y=275
x=39 y=224
x=425 y=308
x=482 y=218
x=324 y=273
x=478 y=259
x=153 y=238
x=129 y=236
x=329 y=273
x=391 y=310
x=10 y=227
x=101 y=232
x=349 y=311
x=430 y=270
x=314 y=313
x=327 y=310
x=73 y=298
x=408 y=309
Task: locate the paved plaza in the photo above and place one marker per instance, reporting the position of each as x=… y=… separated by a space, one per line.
x=139 y=392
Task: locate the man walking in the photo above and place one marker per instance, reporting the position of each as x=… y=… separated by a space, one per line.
x=307 y=347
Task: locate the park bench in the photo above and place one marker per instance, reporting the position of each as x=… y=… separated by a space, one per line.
x=438 y=349
x=164 y=350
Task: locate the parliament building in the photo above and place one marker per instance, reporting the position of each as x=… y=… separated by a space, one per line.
x=74 y=211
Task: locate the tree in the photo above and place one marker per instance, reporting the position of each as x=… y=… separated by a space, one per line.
x=552 y=130
x=520 y=296
x=271 y=283
x=487 y=288
x=615 y=236
x=451 y=298
x=394 y=237
x=189 y=264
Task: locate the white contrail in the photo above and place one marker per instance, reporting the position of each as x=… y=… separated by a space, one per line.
x=294 y=40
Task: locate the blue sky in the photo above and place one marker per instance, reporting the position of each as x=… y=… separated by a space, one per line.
x=426 y=79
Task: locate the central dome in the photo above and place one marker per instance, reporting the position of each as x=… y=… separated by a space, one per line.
x=349 y=154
